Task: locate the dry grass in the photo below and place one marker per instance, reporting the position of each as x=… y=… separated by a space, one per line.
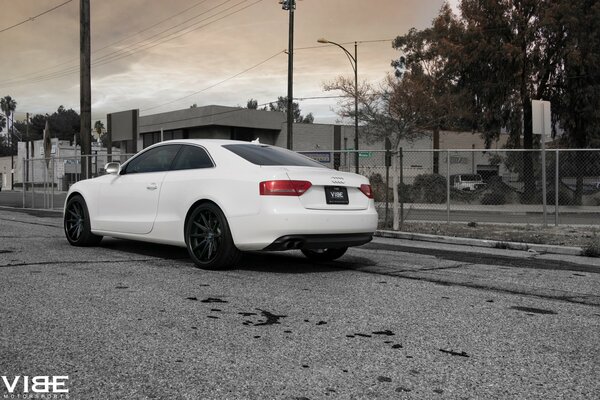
x=574 y=236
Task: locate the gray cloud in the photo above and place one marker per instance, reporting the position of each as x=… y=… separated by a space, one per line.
x=199 y=59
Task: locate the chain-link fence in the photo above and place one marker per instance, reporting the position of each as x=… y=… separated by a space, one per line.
x=45 y=181
x=480 y=186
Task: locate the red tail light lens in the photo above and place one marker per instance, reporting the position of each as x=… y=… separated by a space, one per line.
x=366 y=189
x=284 y=188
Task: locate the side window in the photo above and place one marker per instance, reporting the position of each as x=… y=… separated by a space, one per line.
x=192 y=157
x=154 y=160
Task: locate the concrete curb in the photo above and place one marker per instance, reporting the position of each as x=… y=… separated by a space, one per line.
x=539 y=248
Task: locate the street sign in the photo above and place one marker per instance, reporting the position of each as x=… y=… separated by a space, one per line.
x=541 y=116
x=365 y=154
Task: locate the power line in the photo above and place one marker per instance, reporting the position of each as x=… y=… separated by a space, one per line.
x=321 y=97
x=108 y=45
x=123 y=53
x=216 y=84
x=35 y=16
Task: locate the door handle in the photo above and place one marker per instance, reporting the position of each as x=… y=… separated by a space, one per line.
x=152 y=186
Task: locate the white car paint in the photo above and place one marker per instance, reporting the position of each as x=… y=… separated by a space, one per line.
x=153 y=206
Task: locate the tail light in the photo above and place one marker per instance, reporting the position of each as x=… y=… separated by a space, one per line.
x=284 y=188
x=366 y=189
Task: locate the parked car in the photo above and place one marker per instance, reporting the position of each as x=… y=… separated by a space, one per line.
x=467 y=182
x=220 y=197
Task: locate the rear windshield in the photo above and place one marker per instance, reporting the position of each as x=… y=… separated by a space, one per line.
x=270 y=155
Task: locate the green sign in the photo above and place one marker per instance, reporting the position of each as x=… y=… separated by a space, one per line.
x=365 y=154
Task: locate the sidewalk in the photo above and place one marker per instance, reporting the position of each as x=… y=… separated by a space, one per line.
x=504 y=208
x=498 y=244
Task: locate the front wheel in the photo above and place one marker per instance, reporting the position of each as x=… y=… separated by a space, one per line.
x=324 y=254
x=77 y=223
x=209 y=240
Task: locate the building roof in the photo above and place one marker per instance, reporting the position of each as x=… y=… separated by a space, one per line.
x=212 y=115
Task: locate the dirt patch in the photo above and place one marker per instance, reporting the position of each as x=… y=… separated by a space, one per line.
x=573 y=236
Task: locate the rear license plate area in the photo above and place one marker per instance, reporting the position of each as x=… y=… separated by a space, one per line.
x=336 y=195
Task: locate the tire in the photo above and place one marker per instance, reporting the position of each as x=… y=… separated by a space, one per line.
x=324 y=254
x=208 y=238
x=77 y=223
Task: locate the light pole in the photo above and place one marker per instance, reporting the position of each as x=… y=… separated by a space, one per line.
x=354 y=63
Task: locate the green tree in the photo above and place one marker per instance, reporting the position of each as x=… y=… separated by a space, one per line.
x=281 y=106
x=252 y=104
x=99 y=128
x=576 y=99
x=501 y=54
x=8 y=105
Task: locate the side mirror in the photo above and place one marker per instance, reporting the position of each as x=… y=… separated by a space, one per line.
x=112 y=168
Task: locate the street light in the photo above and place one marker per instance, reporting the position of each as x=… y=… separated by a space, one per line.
x=354 y=63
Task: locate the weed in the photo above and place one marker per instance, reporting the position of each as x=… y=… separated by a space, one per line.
x=592 y=249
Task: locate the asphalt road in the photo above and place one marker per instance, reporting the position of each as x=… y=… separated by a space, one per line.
x=393 y=319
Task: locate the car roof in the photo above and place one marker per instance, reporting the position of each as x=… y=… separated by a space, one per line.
x=208 y=143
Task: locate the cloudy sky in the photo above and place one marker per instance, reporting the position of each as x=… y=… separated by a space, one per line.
x=158 y=56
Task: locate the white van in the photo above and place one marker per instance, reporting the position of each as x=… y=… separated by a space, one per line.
x=468 y=182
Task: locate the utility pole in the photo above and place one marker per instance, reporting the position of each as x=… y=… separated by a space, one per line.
x=290 y=6
x=85 y=87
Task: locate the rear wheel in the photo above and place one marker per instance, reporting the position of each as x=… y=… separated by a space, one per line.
x=324 y=254
x=77 y=223
x=209 y=240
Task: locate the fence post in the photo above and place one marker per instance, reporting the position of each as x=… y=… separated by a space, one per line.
x=556 y=190
x=52 y=160
x=402 y=186
x=448 y=185
x=396 y=223
x=388 y=161
x=32 y=183
x=544 y=189
x=23 y=187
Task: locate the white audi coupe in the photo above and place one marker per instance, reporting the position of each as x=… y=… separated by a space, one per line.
x=220 y=197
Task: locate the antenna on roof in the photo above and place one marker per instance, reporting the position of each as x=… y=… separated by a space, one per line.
x=255 y=141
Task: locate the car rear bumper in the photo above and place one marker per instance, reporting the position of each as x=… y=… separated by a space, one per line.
x=290 y=242
x=262 y=231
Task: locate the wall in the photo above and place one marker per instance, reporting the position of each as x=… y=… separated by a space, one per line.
x=5 y=172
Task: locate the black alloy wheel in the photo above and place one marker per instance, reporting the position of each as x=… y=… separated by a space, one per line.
x=208 y=238
x=77 y=223
x=324 y=254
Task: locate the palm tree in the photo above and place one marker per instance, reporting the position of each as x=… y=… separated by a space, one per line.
x=99 y=127
x=8 y=105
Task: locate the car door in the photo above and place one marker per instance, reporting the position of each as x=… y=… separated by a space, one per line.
x=129 y=200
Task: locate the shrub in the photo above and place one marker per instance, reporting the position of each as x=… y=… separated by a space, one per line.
x=494 y=197
x=378 y=187
x=592 y=249
x=405 y=193
x=430 y=188
x=565 y=198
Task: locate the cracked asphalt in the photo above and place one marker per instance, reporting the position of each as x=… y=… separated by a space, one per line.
x=392 y=319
